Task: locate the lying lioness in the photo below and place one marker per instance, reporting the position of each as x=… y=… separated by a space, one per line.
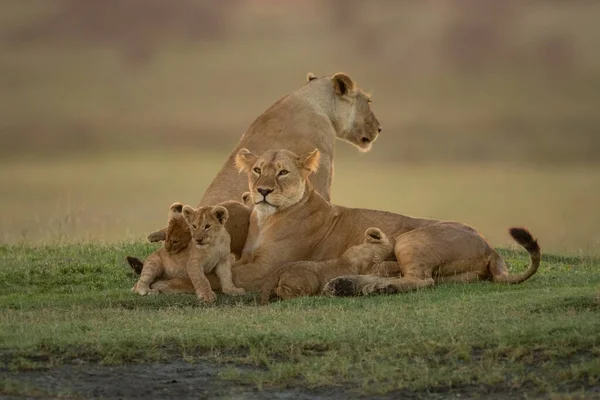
x=435 y=254
x=306 y=278
x=286 y=208
x=181 y=262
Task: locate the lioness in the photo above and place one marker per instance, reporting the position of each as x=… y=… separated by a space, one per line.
x=188 y=260
x=311 y=117
x=286 y=208
x=306 y=278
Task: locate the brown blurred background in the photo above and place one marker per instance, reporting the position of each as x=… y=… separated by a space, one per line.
x=490 y=108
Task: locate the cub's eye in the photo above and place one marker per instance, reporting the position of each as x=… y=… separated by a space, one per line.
x=283 y=172
x=257 y=170
x=195 y=226
x=206 y=226
x=175 y=241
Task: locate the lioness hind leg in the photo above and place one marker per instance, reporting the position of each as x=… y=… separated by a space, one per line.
x=397 y=285
x=465 y=277
x=223 y=271
x=175 y=285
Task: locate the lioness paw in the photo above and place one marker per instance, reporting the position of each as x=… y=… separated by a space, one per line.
x=340 y=287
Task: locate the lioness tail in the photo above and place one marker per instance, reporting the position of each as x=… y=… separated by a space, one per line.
x=525 y=239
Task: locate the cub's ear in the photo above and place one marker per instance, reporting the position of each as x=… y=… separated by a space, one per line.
x=244 y=160
x=310 y=77
x=342 y=84
x=220 y=213
x=188 y=213
x=374 y=235
x=175 y=210
x=246 y=198
x=310 y=161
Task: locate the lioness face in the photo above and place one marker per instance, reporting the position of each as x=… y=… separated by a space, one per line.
x=206 y=224
x=178 y=232
x=277 y=179
x=358 y=124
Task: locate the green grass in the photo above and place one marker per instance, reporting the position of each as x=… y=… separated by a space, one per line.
x=61 y=303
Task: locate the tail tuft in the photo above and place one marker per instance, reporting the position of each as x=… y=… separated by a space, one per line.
x=136 y=264
x=525 y=239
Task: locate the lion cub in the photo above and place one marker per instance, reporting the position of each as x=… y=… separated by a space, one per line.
x=169 y=261
x=196 y=243
x=209 y=250
x=306 y=278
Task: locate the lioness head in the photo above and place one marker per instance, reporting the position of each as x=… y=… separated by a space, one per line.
x=277 y=179
x=353 y=117
x=375 y=245
x=206 y=224
x=178 y=232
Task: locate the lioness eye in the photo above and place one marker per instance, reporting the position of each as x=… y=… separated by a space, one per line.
x=257 y=170
x=283 y=172
x=195 y=226
x=206 y=226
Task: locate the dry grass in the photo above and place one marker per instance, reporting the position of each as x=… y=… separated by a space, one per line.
x=113 y=198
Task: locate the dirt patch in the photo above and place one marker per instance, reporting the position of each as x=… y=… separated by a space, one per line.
x=174 y=380
x=201 y=380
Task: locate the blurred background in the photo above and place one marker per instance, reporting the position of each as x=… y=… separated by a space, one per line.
x=490 y=108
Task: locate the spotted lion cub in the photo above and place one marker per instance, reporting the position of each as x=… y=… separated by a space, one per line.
x=209 y=250
x=307 y=278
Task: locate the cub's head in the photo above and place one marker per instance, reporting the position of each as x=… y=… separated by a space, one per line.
x=354 y=118
x=178 y=232
x=278 y=178
x=375 y=244
x=207 y=224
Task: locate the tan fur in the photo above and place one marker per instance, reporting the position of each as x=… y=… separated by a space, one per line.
x=307 y=278
x=204 y=248
x=311 y=117
x=292 y=222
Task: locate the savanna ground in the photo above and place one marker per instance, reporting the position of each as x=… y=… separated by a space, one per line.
x=71 y=327
x=490 y=115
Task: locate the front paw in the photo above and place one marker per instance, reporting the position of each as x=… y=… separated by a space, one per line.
x=340 y=287
x=208 y=297
x=379 y=288
x=234 y=291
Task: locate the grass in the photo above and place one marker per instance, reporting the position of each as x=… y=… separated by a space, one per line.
x=72 y=302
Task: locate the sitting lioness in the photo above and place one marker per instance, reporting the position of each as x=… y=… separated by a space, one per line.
x=181 y=262
x=313 y=116
x=292 y=222
x=306 y=278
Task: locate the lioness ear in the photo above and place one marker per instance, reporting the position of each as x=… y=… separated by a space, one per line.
x=246 y=198
x=244 y=160
x=188 y=213
x=220 y=213
x=342 y=84
x=373 y=235
x=310 y=161
x=310 y=76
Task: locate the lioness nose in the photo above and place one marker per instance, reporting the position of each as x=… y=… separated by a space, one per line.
x=379 y=128
x=264 y=191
